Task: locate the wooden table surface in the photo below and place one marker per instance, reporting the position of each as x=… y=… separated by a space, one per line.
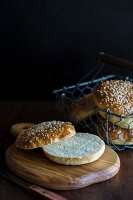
x=119 y=187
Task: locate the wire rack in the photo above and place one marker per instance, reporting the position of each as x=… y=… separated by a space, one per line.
x=121 y=138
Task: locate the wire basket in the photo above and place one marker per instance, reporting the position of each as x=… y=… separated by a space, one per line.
x=94 y=123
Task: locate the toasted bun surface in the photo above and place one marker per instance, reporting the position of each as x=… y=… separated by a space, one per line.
x=44 y=133
x=17 y=128
x=117 y=96
x=81 y=109
x=82 y=148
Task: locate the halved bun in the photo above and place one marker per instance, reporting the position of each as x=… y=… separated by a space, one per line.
x=44 y=133
x=82 y=148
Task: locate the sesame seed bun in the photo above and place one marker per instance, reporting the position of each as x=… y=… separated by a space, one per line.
x=116 y=135
x=81 y=109
x=117 y=96
x=44 y=133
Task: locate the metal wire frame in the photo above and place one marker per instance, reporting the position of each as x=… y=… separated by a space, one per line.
x=73 y=93
x=105 y=127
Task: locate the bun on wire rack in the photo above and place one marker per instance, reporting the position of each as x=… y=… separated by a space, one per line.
x=81 y=109
x=116 y=96
x=115 y=135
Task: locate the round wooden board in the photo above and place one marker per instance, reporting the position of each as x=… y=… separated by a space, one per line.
x=33 y=166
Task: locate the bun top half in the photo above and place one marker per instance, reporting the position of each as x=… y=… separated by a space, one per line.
x=44 y=133
x=116 y=95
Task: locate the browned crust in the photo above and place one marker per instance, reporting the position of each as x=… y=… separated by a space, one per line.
x=81 y=109
x=17 y=128
x=116 y=95
x=44 y=133
x=116 y=134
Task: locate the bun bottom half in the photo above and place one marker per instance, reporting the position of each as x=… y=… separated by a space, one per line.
x=81 y=149
x=75 y=161
x=126 y=123
x=116 y=135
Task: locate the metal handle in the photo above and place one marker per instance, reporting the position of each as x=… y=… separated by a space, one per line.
x=112 y=60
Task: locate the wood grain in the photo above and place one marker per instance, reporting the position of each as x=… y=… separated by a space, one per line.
x=34 y=167
x=118 y=187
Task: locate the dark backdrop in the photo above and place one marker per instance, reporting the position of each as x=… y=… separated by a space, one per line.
x=50 y=44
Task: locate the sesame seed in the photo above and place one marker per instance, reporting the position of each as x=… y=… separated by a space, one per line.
x=118 y=94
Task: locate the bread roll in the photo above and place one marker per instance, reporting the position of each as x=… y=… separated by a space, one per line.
x=115 y=135
x=44 y=133
x=81 y=109
x=17 y=128
x=82 y=148
x=117 y=96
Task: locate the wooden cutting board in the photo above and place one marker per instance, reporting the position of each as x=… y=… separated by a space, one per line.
x=33 y=166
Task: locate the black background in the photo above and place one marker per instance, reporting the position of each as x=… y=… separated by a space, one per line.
x=49 y=44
